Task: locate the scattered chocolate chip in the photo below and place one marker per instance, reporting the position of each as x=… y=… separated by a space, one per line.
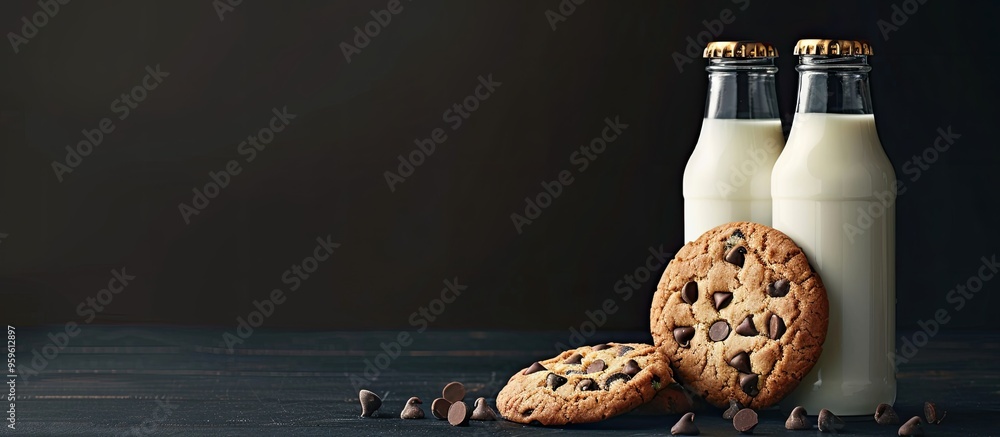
x=685 y=426
x=776 y=327
x=483 y=411
x=615 y=378
x=596 y=366
x=885 y=415
x=690 y=292
x=439 y=408
x=746 y=328
x=734 y=407
x=911 y=427
x=738 y=234
x=778 y=288
x=683 y=335
x=554 y=381
x=370 y=403
x=573 y=359
x=798 y=419
x=453 y=392
x=829 y=422
x=586 y=385
x=719 y=331
x=933 y=414
x=745 y=421
x=748 y=382
x=737 y=256
x=722 y=299
x=575 y=372
x=622 y=350
x=601 y=347
x=534 y=368
x=412 y=411
x=631 y=368
x=741 y=362
x=458 y=414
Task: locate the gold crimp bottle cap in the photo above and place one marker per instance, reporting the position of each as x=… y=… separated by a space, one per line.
x=739 y=49
x=841 y=47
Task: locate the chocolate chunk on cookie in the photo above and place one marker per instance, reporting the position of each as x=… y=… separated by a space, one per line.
x=753 y=323
x=587 y=384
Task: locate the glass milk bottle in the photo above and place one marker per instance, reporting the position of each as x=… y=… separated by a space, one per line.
x=728 y=176
x=833 y=190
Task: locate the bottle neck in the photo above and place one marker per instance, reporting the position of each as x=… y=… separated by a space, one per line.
x=833 y=85
x=741 y=89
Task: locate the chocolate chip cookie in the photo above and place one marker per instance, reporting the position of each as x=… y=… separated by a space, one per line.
x=740 y=314
x=584 y=385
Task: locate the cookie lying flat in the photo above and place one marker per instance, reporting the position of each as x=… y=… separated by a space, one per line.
x=584 y=385
x=740 y=314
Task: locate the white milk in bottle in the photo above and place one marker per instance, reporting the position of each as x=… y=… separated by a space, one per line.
x=728 y=176
x=833 y=192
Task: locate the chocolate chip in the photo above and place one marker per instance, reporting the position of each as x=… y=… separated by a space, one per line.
x=683 y=335
x=453 y=392
x=798 y=419
x=741 y=362
x=601 y=347
x=690 y=292
x=573 y=359
x=722 y=299
x=685 y=426
x=575 y=372
x=746 y=328
x=738 y=234
x=586 y=385
x=534 y=368
x=776 y=327
x=734 y=407
x=439 y=408
x=745 y=421
x=748 y=382
x=370 y=403
x=719 y=331
x=631 y=368
x=933 y=414
x=737 y=256
x=911 y=427
x=596 y=366
x=412 y=411
x=778 y=288
x=483 y=411
x=829 y=422
x=885 y=415
x=458 y=414
x=622 y=350
x=614 y=378
x=554 y=381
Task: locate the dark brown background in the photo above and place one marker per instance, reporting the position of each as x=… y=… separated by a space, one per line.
x=324 y=174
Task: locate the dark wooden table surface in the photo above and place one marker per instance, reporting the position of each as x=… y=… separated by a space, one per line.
x=124 y=380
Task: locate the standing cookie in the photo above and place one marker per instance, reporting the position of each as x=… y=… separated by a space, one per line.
x=740 y=314
x=588 y=384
